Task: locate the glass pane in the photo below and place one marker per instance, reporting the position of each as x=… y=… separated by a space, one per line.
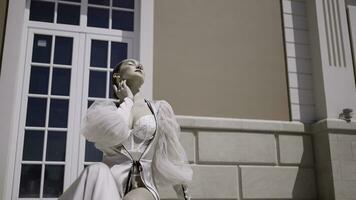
x=30 y=181
x=53 y=181
x=72 y=0
x=89 y=103
x=99 y=2
x=68 y=14
x=33 y=145
x=63 y=50
x=124 y=3
x=97 y=84
x=98 y=17
x=58 y=113
x=42 y=11
x=118 y=53
x=39 y=80
x=36 y=112
x=56 y=146
x=123 y=20
x=98 y=53
x=60 y=81
x=92 y=154
x=42 y=48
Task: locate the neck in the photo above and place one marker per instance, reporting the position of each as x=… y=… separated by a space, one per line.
x=138 y=97
x=134 y=87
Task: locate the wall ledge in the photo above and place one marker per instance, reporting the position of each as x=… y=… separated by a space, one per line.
x=335 y=125
x=195 y=122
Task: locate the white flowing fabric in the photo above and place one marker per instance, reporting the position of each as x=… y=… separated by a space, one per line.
x=107 y=126
x=96 y=182
x=170 y=164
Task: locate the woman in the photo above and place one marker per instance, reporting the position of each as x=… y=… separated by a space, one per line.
x=140 y=143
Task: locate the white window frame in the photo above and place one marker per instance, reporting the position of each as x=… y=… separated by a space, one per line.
x=13 y=63
x=85 y=86
x=25 y=95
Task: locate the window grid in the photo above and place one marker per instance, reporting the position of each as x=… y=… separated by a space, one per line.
x=109 y=7
x=56 y=2
x=108 y=66
x=109 y=35
x=108 y=70
x=49 y=97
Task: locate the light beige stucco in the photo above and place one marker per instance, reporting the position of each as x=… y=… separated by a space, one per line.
x=221 y=58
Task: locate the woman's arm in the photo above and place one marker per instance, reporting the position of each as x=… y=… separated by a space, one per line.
x=170 y=165
x=105 y=124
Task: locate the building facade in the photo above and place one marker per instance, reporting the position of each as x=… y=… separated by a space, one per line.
x=262 y=91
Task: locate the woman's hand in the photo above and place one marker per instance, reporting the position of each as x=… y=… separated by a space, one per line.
x=123 y=90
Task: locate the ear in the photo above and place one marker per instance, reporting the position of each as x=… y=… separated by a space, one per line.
x=117 y=78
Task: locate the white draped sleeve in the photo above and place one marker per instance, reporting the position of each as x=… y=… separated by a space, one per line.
x=170 y=164
x=105 y=124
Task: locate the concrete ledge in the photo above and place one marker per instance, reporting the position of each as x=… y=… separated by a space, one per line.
x=193 y=122
x=277 y=183
x=209 y=182
x=334 y=124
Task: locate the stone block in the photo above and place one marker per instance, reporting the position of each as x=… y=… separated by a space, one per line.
x=294 y=7
x=353 y=146
x=236 y=147
x=346 y=137
x=188 y=142
x=341 y=150
x=210 y=182
x=262 y=182
x=299 y=65
x=295 y=22
x=296 y=149
x=348 y=170
x=336 y=171
x=345 y=190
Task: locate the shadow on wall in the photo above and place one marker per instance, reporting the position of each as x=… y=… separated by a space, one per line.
x=299 y=60
x=305 y=180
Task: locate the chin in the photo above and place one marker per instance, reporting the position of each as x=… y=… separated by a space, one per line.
x=137 y=80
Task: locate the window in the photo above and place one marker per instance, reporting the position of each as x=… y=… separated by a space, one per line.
x=104 y=54
x=108 y=14
x=64 y=57
x=47 y=114
x=68 y=12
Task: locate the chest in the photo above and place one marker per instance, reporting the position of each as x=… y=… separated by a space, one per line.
x=137 y=112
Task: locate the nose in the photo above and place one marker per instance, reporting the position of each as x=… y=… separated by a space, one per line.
x=139 y=66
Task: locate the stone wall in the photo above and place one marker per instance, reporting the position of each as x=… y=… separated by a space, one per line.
x=335 y=145
x=247 y=159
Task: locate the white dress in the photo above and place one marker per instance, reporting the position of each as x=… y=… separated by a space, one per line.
x=153 y=144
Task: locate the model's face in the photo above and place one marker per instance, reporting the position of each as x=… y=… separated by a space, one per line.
x=132 y=71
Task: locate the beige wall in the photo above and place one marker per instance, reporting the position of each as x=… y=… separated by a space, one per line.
x=221 y=58
x=3 y=8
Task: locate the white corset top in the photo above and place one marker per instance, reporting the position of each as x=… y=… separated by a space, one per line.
x=140 y=135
